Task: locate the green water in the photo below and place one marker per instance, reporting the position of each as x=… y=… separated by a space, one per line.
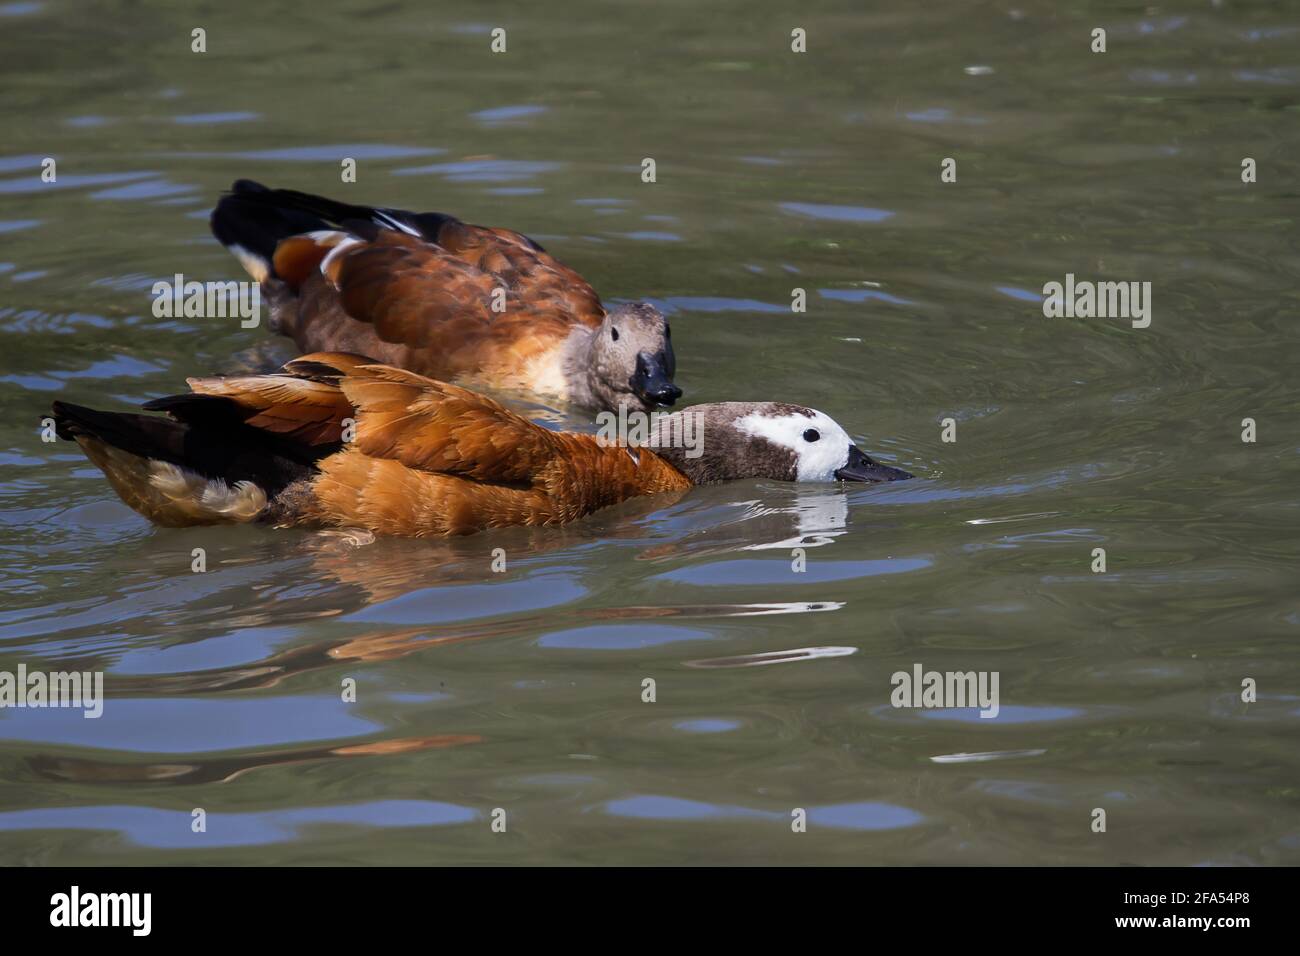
x=523 y=691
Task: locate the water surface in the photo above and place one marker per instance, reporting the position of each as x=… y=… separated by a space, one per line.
x=523 y=690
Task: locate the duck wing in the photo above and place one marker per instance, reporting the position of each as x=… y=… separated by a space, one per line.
x=461 y=294
x=444 y=429
x=489 y=295
x=302 y=401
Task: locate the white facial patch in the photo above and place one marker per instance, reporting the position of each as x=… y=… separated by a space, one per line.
x=816 y=460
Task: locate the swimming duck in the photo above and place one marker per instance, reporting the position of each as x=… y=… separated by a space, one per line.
x=434 y=295
x=334 y=440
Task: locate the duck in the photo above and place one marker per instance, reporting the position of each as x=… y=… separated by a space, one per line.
x=482 y=306
x=339 y=441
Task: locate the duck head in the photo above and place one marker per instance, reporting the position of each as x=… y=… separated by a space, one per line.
x=632 y=359
x=736 y=440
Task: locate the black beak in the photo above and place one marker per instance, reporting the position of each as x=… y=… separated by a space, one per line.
x=862 y=468
x=653 y=381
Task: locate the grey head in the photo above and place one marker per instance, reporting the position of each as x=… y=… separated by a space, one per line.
x=630 y=360
x=735 y=440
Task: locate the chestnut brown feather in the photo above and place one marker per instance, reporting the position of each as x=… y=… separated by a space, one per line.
x=427 y=458
x=439 y=302
x=445 y=298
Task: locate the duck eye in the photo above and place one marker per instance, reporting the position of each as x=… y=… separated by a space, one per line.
x=811 y=434
x=613 y=333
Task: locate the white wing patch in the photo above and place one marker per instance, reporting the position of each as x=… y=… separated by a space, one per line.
x=253 y=264
x=347 y=242
x=383 y=219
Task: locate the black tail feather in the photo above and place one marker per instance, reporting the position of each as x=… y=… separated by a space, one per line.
x=249 y=217
x=257 y=218
x=144 y=435
x=215 y=444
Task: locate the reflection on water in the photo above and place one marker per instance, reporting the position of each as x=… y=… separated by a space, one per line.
x=775 y=657
x=171 y=830
x=223 y=770
x=768 y=617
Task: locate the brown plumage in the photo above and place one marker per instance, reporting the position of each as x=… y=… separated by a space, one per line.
x=431 y=294
x=335 y=440
x=444 y=460
x=375 y=447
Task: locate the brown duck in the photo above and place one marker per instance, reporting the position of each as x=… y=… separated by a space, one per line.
x=335 y=440
x=434 y=295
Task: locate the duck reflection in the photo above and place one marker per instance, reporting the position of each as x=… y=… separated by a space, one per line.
x=786 y=517
x=224 y=769
x=352 y=572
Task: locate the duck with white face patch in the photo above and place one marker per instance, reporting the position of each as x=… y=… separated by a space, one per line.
x=423 y=457
x=768 y=440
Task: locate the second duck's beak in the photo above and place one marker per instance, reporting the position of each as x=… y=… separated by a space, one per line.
x=862 y=468
x=653 y=380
